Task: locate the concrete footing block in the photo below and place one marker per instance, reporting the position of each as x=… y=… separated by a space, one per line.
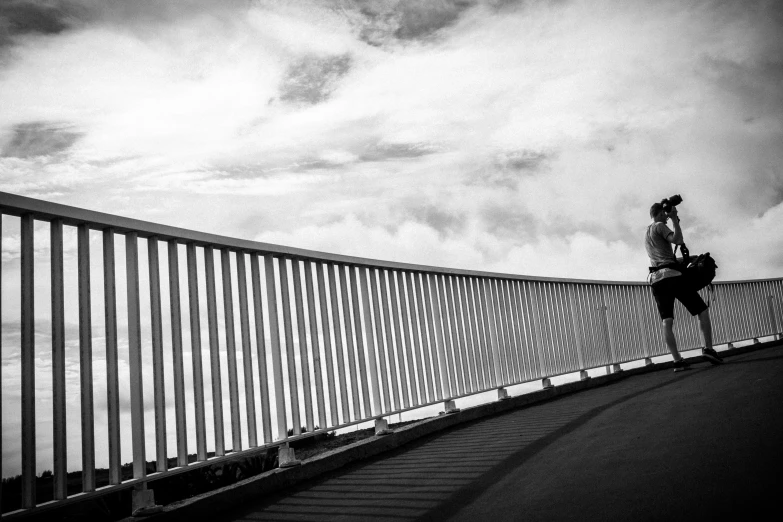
x=143 y=502
x=450 y=407
x=382 y=427
x=503 y=394
x=583 y=375
x=546 y=383
x=648 y=361
x=286 y=457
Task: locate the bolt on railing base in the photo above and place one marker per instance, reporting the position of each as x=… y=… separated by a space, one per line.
x=647 y=361
x=583 y=375
x=546 y=383
x=450 y=406
x=503 y=394
x=143 y=501
x=382 y=427
x=286 y=458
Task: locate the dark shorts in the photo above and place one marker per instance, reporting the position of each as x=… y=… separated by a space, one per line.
x=671 y=288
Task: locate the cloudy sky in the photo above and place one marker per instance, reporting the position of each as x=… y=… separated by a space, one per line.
x=527 y=137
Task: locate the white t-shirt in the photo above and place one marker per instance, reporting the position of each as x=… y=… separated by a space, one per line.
x=658 y=244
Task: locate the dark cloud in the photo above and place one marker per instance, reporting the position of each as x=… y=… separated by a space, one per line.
x=311 y=79
x=18 y=17
x=443 y=221
x=386 y=151
x=40 y=138
x=509 y=222
x=384 y=22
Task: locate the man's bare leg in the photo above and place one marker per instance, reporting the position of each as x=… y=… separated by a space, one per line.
x=671 y=341
x=706 y=327
x=706 y=331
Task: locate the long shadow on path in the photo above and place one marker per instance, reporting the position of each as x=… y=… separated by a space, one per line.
x=642 y=448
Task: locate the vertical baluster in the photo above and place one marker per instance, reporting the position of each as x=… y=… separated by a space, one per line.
x=460 y=286
x=445 y=346
x=462 y=372
x=441 y=386
x=58 y=362
x=247 y=351
x=472 y=316
x=85 y=360
x=314 y=340
x=523 y=331
x=177 y=360
x=436 y=333
x=263 y=379
x=349 y=341
x=293 y=383
x=112 y=371
x=214 y=352
x=338 y=341
x=357 y=323
x=514 y=326
x=576 y=324
x=398 y=338
x=1 y=351
x=389 y=343
x=495 y=375
x=195 y=349
x=505 y=305
x=417 y=280
x=159 y=390
x=560 y=318
x=385 y=379
x=326 y=329
x=274 y=338
x=484 y=344
x=231 y=350
x=304 y=359
x=371 y=350
x=496 y=317
x=420 y=345
x=134 y=355
x=28 y=361
x=408 y=331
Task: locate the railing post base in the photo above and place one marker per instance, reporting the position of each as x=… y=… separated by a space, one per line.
x=648 y=361
x=382 y=427
x=583 y=375
x=450 y=406
x=143 y=501
x=755 y=340
x=730 y=346
x=286 y=457
x=503 y=394
x=616 y=368
x=546 y=383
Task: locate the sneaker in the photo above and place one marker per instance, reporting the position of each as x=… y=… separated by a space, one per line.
x=681 y=365
x=712 y=356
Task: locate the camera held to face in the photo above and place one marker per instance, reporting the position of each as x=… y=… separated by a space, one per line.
x=671 y=202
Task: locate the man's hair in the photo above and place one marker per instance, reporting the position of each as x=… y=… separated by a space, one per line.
x=655 y=209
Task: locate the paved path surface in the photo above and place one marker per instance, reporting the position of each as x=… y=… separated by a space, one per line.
x=696 y=445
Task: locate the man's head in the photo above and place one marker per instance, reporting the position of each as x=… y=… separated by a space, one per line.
x=657 y=213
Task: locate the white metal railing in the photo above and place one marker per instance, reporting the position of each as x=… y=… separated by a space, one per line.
x=322 y=341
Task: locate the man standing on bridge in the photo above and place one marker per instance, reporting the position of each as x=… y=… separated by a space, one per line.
x=669 y=284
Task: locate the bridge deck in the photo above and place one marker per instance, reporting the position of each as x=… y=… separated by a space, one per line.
x=697 y=444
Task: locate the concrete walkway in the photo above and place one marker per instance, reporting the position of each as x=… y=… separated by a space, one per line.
x=701 y=444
